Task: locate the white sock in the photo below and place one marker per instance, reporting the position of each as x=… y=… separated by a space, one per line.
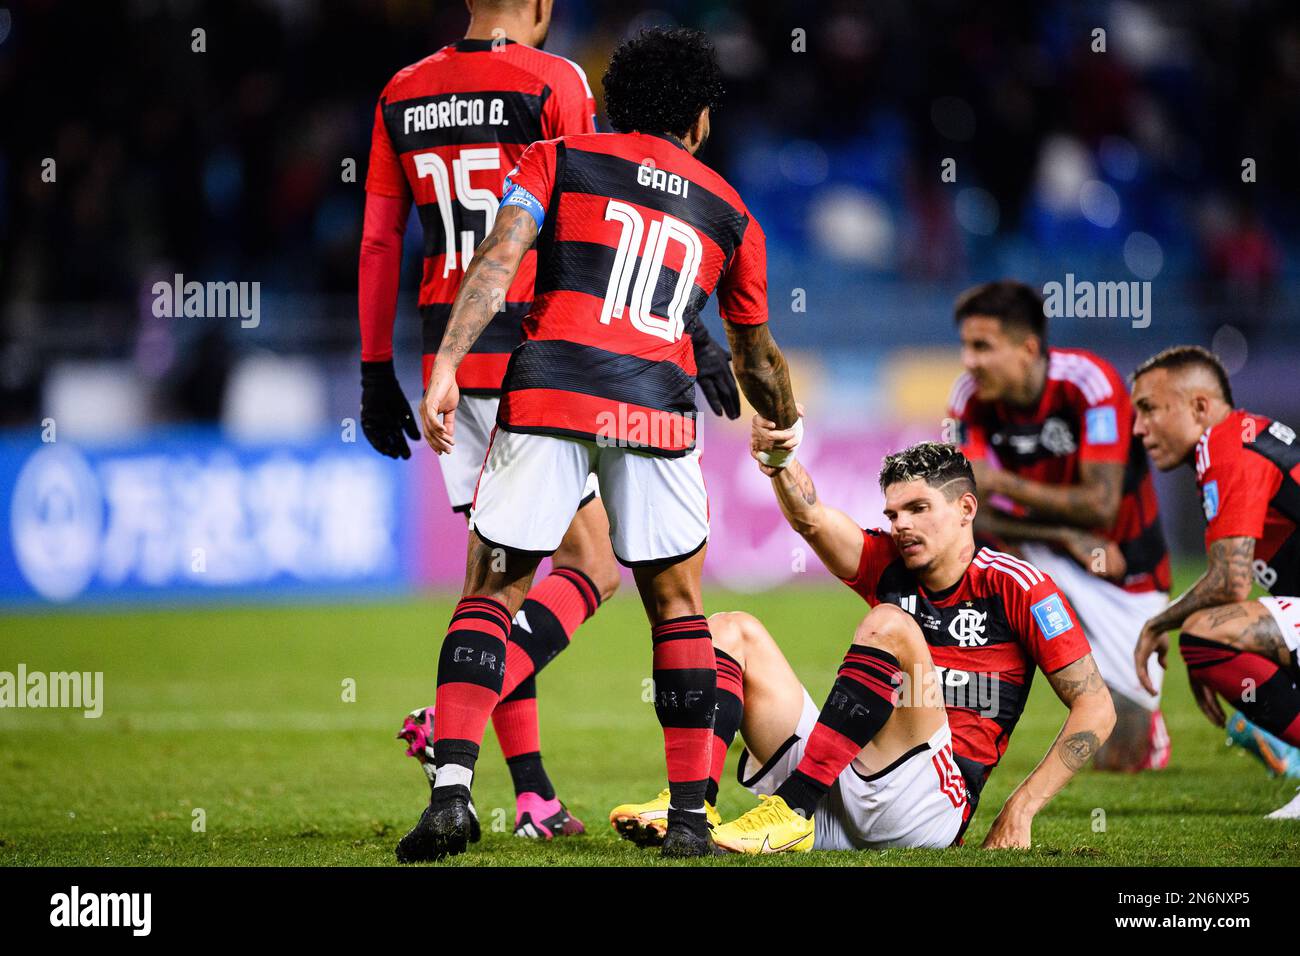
x=453 y=774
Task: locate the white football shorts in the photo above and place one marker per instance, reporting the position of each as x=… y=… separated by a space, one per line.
x=1286 y=611
x=531 y=486
x=476 y=416
x=1112 y=619
x=917 y=801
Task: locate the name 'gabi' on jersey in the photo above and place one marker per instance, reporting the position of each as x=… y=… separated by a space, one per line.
x=634 y=236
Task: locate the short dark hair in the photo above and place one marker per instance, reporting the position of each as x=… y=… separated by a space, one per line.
x=936 y=463
x=660 y=80
x=1179 y=357
x=1017 y=306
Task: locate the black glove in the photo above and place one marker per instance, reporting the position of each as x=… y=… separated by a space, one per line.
x=385 y=413
x=714 y=376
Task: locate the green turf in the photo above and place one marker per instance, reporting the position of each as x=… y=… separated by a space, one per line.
x=239 y=712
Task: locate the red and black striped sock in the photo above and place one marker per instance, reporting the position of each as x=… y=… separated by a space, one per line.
x=471 y=666
x=864 y=694
x=1261 y=689
x=515 y=721
x=552 y=611
x=685 y=681
x=726 y=718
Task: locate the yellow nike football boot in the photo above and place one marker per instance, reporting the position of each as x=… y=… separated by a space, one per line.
x=646 y=823
x=770 y=827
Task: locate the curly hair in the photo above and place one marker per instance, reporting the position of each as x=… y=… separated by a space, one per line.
x=938 y=464
x=660 y=80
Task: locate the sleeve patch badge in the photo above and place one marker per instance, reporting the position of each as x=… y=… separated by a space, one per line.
x=1051 y=616
x=1102 y=425
x=517 y=195
x=1210 y=499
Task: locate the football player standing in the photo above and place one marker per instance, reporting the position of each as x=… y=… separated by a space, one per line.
x=633 y=234
x=447 y=129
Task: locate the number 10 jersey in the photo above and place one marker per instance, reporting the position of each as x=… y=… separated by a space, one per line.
x=634 y=236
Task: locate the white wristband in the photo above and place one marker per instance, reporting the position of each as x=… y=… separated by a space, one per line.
x=781 y=457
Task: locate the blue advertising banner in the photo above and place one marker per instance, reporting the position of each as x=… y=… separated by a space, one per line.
x=186 y=513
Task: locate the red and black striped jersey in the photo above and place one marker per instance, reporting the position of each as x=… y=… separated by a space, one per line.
x=1084 y=414
x=635 y=234
x=447 y=129
x=986 y=634
x=1248 y=470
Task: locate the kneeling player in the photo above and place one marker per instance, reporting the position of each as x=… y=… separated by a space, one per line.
x=884 y=723
x=1248 y=470
x=986 y=618
x=899 y=785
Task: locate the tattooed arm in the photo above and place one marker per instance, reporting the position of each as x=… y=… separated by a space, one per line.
x=1227 y=580
x=483 y=290
x=1086 y=728
x=762 y=372
x=833 y=535
x=481 y=294
x=1092 y=503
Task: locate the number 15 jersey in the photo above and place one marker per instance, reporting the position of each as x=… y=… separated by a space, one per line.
x=447 y=129
x=634 y=236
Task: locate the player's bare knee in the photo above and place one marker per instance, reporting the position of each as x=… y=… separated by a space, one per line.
x=733 y=631
x=602 y=572
x=892 y=629
x=499 y=573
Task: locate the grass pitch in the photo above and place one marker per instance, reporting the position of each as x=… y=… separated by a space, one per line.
x=239 y=712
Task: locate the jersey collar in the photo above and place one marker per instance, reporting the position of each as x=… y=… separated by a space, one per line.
x=936 y=597
x=670 y=138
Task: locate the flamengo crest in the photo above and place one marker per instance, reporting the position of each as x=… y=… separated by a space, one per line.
x=968 y=627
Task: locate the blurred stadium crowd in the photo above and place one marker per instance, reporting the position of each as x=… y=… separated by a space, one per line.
x=230 y=165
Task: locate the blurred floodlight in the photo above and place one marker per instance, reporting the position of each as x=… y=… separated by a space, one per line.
x=95 y=401
x=1230 y=346
x=271 y=397
x=1143 y=255
x=1139 y=36
x=953 y=118
x=1064 y=165
x=977 y=211
x=1099 y=203
x=853 y=225
x=803 y=162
